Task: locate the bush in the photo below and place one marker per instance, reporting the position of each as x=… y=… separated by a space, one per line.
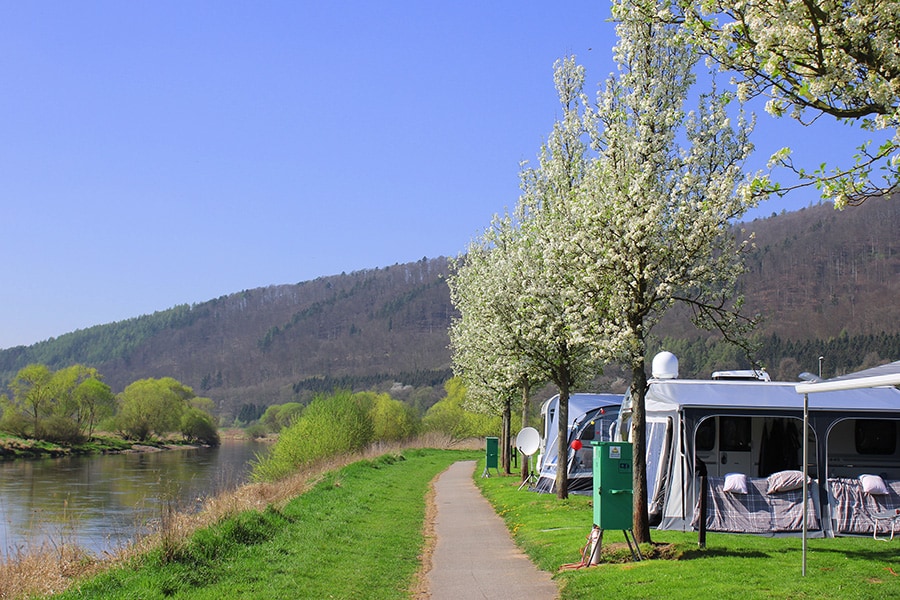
x=198 y=426
x=448 y=416
x=256 y=431
x=16 y=423
x=330 y=425
x=392 y=420
x=152 y=406
x=279 y=416
x=60 y=430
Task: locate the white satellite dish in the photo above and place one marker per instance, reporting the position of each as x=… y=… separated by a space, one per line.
x=528 y=441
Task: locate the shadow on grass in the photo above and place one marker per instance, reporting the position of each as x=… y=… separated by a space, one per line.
x=619 y=553
x=882 y=553
x=876 y=552
x=697 y=553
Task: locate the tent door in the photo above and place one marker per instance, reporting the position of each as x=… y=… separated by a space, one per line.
x=724 y=445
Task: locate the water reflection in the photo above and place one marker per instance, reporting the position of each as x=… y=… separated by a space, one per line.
x=103 y=502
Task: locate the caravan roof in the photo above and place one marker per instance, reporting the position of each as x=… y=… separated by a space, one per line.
x=580 y=403
x=673 y=394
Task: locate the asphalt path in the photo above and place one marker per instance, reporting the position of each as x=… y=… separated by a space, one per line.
x=474 y=556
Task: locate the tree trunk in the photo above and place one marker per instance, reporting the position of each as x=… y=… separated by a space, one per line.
x=639 y=447
x=526 y=460
x=562 y=452
x=505 y=438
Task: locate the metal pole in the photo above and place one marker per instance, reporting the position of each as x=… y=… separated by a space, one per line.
x=805 y=463
x=701 y=536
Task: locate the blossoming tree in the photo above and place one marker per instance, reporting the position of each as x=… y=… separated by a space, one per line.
x=814 y=58
x=654 y=223
x=486 y=356
x=515 y=292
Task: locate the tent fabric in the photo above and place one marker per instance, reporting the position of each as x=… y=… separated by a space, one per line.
x=689 y=402
x=756 y=511
x=883 y=375
x=583 y=408
x=755 y=395
x=853 y=509
x=888 y=369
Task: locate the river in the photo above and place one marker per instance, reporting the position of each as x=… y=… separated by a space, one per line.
x=103 y=502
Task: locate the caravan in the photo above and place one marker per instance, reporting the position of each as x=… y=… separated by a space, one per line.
x=748 y=430
x=591 y=417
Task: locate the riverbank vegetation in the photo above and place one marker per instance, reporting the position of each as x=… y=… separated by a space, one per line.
x=13 y=447
x=50 y=413
x=71 y=411
x=345 y=422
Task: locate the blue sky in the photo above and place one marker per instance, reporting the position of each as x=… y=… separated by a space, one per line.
x=160 y=153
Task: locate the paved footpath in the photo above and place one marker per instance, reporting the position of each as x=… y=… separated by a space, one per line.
x=474 y=556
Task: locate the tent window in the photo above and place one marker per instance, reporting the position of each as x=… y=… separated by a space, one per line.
x=876 y=437
x=734 y=434
x=706 y=435
x=600 y=427
x=659 y=437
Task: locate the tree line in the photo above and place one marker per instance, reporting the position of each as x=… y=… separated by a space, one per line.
x=784 y=359
x=629 y=209
x=100 y=343
x=69 y=405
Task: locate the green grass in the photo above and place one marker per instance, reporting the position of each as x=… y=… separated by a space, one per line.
x=356 y=534
x=552 y=532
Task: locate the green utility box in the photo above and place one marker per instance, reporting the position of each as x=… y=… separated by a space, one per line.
x=613 y=485
x=492 y=453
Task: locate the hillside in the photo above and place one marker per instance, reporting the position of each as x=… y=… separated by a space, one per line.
x=279 y=343
x=814 y=274
x=817 y=272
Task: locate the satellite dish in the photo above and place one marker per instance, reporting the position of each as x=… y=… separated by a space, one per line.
x=528 y=441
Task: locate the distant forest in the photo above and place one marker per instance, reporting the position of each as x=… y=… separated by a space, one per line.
x=823 y=282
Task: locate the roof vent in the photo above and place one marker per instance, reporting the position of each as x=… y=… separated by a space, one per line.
x=665 y=366
x=743 y=375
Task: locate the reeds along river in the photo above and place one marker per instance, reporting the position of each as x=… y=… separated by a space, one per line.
x=103 y=502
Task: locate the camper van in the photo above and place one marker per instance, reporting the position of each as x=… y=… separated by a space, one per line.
x=592 y=417
x=749 y=429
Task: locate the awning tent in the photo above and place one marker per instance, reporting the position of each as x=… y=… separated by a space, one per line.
x=688 y=432
x=883 y=375
x=591 y=417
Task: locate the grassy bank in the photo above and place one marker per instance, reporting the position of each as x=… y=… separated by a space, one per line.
x=12 y=447
x=552 y=532
x=356 y=534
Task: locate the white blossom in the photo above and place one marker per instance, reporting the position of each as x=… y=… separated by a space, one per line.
x=813 y=58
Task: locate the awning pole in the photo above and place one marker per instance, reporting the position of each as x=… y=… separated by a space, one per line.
x=805 y=463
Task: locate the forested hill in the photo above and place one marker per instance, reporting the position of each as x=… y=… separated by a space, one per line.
x=815 y=274
x=279 y=343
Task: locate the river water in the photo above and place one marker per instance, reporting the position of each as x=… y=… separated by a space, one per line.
x=103 y=502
